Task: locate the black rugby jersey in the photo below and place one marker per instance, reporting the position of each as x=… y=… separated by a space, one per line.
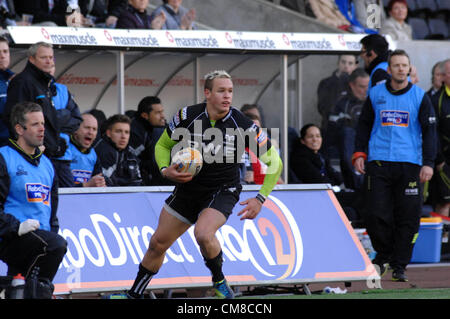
x=221 y=145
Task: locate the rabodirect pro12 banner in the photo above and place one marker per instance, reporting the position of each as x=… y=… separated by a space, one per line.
x=300 y=236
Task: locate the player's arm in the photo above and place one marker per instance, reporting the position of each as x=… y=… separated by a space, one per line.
x=163 y=150
x=427 y=119
x=274 y=169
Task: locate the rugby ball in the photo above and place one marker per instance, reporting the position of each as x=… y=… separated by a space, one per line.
x=189 y=160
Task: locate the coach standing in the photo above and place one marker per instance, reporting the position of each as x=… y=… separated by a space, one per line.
x=29 y=242
x=398 y=127
x=33 y=84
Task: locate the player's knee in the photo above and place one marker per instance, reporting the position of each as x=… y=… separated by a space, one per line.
x=158 y=245
x=203 y=237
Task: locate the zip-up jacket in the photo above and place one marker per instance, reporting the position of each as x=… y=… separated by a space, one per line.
x=119 y=167
x=33 y=85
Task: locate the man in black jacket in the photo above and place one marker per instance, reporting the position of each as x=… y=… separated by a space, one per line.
x=344 y=118
x=375 y=52
x=146 y=128
x=329 y=91
x=36 y=84
x=120 y=166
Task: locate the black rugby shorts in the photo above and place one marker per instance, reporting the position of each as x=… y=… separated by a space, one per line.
x=186 y=205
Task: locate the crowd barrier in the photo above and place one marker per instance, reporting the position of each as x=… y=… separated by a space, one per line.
x=301 y=236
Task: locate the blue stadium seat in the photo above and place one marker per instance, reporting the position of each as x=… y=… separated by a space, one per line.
x=429 y=5
x=438 y=27
x=443 y=9
x=412 y=5
x=425 y=9
x=443 y=4
x=419 y=27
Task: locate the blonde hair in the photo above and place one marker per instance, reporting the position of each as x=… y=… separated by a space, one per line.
x=209 y=78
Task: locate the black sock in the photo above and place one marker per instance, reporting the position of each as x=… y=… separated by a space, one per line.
x=143 y=277
x=215 y=266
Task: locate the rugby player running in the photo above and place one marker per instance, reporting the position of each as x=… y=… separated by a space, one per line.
x=207 y=199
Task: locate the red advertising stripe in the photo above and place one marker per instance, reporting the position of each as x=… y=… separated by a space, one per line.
x=62 y=288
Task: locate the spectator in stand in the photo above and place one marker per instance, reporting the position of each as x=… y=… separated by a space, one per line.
x=312 y=167
x=345 y=117
x=437 y=78
x=47 y=12
x=327 y=12
x=171 y=15
x=135 y=16
x=440 y=183
x=347 y=8
x=36 y=84
x=29 y=240
x=102 y=13
x=375 y=52
x=329 y=91
x=5 y=77
x=120 y=167
x=146 y=129
x=368 y=17
x=396 y=25
x=8 y=15
x=84 y=165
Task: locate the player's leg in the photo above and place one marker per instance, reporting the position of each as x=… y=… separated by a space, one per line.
x=169 y=229
x=209 y=221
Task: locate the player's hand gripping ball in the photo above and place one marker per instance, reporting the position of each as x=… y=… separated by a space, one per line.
x=189 y=160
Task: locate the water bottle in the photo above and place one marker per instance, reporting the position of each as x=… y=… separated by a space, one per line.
x=337 y=290
x=17 y=287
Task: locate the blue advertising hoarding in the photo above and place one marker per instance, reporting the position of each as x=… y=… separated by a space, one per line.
x=300 y=236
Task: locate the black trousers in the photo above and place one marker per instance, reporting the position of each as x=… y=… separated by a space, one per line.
x=39 y=248
x=394 y=205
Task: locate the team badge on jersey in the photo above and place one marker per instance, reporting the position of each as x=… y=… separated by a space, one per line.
x=38 y=193
x=395 y=118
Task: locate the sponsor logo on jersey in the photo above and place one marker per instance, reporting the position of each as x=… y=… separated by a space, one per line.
x=37 y=193
x=395 y=118
x=81 y=176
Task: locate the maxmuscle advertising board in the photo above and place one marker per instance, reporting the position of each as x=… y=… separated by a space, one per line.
x=300 y=236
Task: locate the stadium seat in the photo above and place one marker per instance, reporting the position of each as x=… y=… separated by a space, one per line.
x=438 y=27
x=428 y=5
x=443 y=9
x=419 y=27
x=443 y=5
x=412 y=6
x=425 y=9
